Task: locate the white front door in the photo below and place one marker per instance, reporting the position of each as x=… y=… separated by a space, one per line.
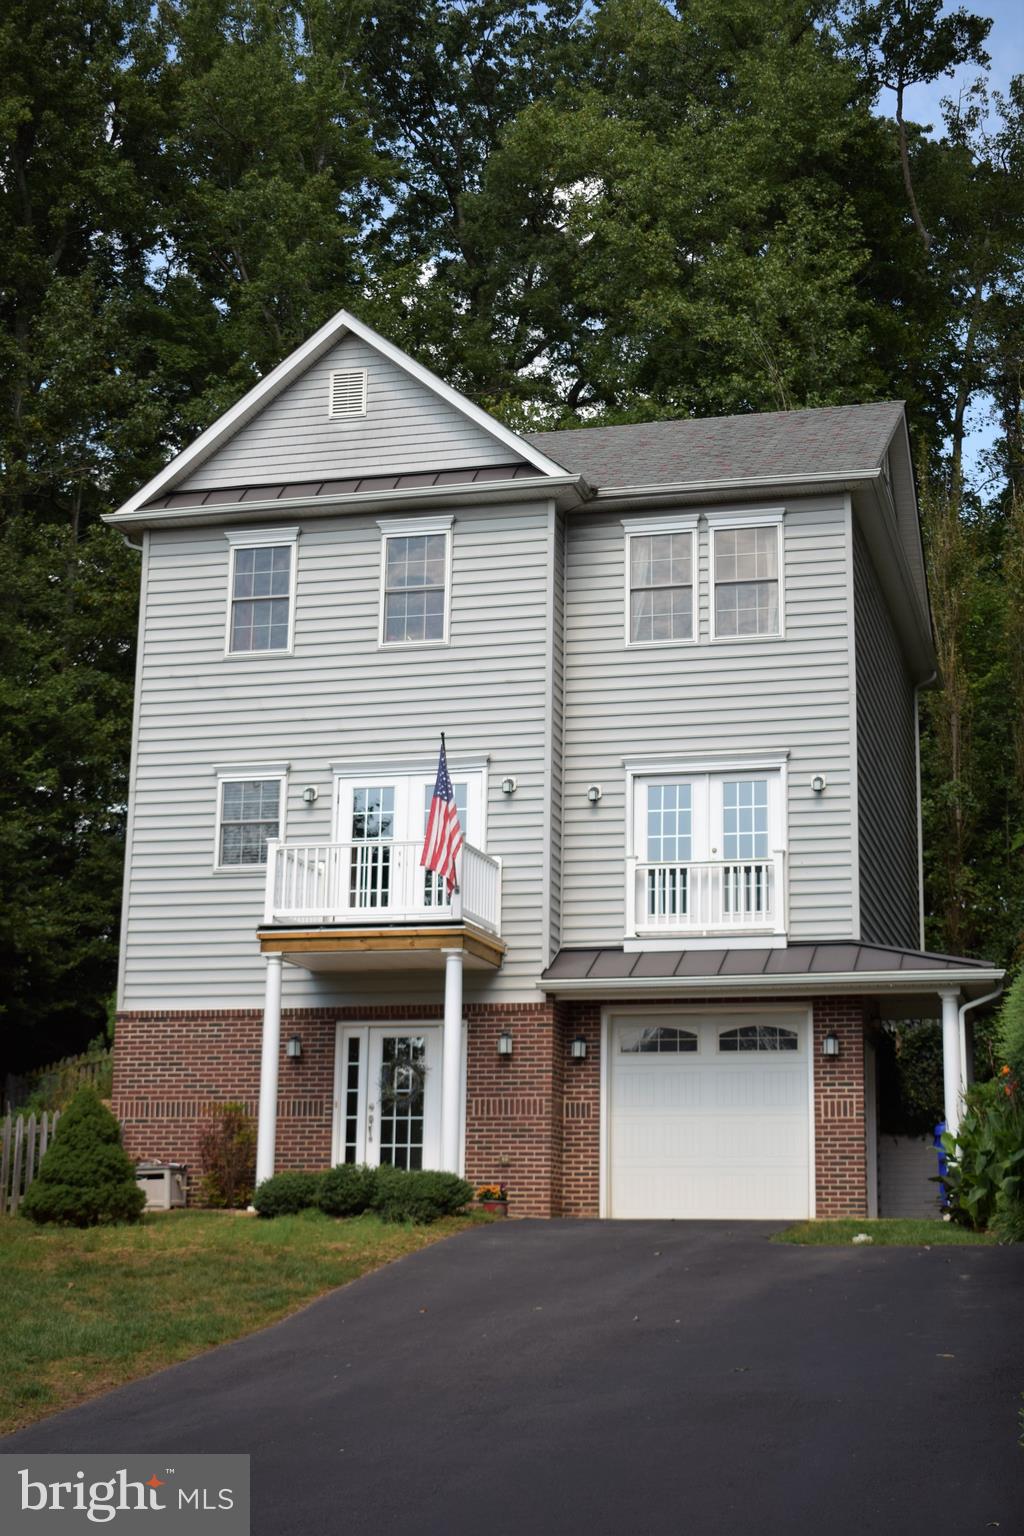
x=709 y=1115
x=388 y=1095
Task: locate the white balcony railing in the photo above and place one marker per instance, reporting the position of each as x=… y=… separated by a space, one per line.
x=364 y=882
x=706 y=899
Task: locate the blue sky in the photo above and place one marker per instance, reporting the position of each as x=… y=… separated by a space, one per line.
x=1006 y=47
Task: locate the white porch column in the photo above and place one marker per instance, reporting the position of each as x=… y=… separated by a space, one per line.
x=266 y=1133
x=451 y=1069
x=952 y=1067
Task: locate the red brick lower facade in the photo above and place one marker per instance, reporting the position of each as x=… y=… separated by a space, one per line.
x=533 y=1119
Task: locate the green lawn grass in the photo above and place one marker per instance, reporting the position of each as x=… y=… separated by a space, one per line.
x=81 y=1312
x=884 y=1232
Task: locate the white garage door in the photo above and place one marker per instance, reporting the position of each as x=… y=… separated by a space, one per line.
x=709 y=1116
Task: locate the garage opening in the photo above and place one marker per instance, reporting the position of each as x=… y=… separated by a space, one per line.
x=709 y=1115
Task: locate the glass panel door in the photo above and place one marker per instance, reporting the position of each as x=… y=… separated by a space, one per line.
x=372 y=830
x=435 y=890
x=403 y=1099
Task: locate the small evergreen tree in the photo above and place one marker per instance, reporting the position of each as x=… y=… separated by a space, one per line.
x=86 y=1177
x=1010 y=1035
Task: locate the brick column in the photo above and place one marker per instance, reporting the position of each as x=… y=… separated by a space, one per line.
x=581 y=1110
x=840 y=1148
x=514 y=1105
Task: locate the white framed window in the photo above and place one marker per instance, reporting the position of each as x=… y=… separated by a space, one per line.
x=706 y=846
x=661 y=564
x=415 y=581
x=746 y=575
x=250 y=814
x=261 y=591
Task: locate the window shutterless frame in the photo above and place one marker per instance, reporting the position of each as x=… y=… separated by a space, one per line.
x=258 y=773
x=637 y=529
x=771 y=523
x=415 y=528
x=260 y=538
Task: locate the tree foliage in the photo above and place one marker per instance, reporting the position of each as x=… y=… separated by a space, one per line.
x=632 y=209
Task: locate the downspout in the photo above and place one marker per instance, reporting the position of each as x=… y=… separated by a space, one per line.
x=964 y=1009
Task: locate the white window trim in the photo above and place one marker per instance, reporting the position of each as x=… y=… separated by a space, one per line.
x=409 y=768
x=242 y=773
x=644 y=528
x=742 y=764
x=395 y=527
x=261 y=538
x=717 y=521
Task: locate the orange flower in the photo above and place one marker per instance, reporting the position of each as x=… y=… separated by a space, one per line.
x=1004 y=1071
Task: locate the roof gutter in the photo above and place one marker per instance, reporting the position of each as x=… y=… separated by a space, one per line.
x=564 y=488
x=817 y=982
x=823 y=481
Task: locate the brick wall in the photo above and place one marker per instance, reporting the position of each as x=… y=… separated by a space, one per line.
x=840 y=1147
x=532 y=1119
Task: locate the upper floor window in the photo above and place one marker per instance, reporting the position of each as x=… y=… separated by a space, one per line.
x=660 y=587
x=746 y=599
x=415 y=582
x=250 y=814
x=262 y=591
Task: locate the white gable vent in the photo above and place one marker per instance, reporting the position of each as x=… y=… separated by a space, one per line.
x=347 y=392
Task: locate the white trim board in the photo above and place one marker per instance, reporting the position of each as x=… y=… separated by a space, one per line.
x=340 y=325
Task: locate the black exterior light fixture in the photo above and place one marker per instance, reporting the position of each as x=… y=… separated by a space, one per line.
x=830 y=1045
x=505 y=1043
x=294 y=1048
x=578 y=1049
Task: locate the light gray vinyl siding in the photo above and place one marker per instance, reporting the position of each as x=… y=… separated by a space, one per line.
x=406 y=428
x=791 y=695
x=191 y=931
x=557 y=705
x=886 y=767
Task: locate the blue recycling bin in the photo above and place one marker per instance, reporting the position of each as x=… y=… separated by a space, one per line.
x=937 y=1139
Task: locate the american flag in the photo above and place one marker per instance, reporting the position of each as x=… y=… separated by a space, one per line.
x=444 y=835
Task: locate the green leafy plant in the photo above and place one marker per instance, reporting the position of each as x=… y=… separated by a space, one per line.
x=1010 y=1031
x=348 y=1189
x=287 y=1193
x=227 y=1151
x=86 y=1178
x=985 y=1172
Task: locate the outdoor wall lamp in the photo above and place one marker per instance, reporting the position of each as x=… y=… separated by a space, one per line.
x=830 y=1045
x=594 y=793
x=294 y=1048
x=311 y=794
x=819 y=784
x=578 y=1049
x=505 y=1043
x=509 y=785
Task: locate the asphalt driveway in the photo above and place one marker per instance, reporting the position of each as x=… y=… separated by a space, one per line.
x=690 y=1379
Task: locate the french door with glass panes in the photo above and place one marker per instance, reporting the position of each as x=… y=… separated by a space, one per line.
x=383 y=821
x=388 y=1096
x=705 y=847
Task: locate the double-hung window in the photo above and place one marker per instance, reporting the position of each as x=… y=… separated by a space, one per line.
x=660 y=566
x=415 y=581
x=250 y=814
x=746 y=597
x=261 y=598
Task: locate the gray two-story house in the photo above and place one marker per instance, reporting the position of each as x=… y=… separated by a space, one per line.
x=677 y=666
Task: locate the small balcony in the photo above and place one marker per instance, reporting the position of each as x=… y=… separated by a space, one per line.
x=713 y=899
x=377 y=885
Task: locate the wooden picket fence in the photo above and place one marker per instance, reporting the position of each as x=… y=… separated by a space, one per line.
x=22 y=1146
x=51 y=1087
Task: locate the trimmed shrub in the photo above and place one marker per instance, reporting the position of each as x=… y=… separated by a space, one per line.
x=287 y=1193
x=418 y=1196
x=348 y=1189
x=227 y=1151
x=86 y=1178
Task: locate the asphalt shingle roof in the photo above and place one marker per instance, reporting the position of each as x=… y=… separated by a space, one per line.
x=787 y=444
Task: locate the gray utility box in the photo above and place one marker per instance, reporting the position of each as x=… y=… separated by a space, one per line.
x=164 y=1184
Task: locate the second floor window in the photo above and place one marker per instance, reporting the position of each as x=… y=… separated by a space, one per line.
x=414 y=605
x=250 y=815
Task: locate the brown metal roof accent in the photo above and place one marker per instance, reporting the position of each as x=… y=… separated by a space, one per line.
x=362 y=485
x=831 y=957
